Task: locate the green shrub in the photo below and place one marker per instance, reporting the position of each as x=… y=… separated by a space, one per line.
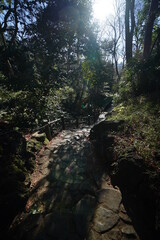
x=139 y=77
x=22 y=108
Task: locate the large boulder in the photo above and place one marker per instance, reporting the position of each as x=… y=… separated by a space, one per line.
x=104 y=219
x=110 y=197
x=127 y=172
x=84 y=211
x=101 y=129
x=102 y=138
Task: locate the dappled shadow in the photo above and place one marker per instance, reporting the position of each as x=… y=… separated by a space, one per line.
x=72 y=196
x=63 y=200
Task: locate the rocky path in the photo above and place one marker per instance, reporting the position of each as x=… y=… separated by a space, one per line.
x=72 y=197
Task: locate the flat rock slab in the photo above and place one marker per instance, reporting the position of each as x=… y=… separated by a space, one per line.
x=93 y=235
x=42 y=160
x=84 y=211
x=31 y=228
x=104 y=220
x=87 y=187
x=45 y=171
x=68 y=137
x=59 y=226
x=114 y=234
x=66 y=176
x=111 y=197
x=86 y=204
x=125 y=217
x=128 y=231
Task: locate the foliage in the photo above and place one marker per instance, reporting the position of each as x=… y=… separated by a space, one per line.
x=140 y=77
x=23 y=108
x=60 y=101
x=47 y=59
x=142 y=127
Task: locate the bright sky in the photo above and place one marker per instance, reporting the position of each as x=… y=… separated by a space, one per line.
x=102 y=9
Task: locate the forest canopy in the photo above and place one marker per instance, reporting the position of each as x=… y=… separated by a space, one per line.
x=55 y=56
x=51 y=60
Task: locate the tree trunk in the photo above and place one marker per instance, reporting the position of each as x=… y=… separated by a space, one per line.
x=128 y=52
x=117 y=70
x=16 y=21
x=149 y=27
x=129 y=27
x=9 y=66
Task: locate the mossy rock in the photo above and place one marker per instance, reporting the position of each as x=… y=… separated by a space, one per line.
x=102 y=129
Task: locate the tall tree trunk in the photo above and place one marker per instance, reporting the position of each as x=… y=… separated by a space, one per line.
x=149 y=27
x=9 y=66
x=117 y=70
x=128 y=50
x=16 y=22
x=129 y=27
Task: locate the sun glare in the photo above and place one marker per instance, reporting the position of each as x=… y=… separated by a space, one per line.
x=102 y=9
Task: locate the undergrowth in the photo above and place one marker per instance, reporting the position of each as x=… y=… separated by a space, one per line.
x=141 y=130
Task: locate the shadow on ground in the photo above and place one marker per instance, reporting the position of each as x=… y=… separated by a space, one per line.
x=63 y=200
x=72 y=197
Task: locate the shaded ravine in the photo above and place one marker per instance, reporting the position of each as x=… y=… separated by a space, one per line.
x=71 y=196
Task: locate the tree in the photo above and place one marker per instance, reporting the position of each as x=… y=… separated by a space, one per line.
x=117 y=28
x=112 y=35
x=149 y=28
x=15 y=17
x=64 y=30
x=129 y=27
x=47 y=43
x=140 y=16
